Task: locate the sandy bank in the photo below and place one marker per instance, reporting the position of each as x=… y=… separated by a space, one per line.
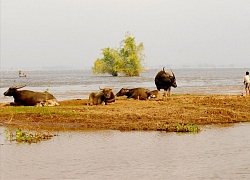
x=128 y=114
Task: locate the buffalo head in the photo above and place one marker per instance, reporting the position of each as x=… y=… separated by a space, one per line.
x=173 y=80
x=107 y=92
x=122 y=92
x=11 y=91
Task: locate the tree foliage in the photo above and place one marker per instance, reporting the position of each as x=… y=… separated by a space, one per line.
x=127 y=59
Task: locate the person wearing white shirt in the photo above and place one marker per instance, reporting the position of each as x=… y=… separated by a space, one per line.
x=247 y=83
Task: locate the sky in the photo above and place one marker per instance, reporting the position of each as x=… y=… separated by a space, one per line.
x=69 y=34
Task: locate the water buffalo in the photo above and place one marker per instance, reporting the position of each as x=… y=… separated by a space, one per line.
x=106 y=95
x=164 y=80
x=30 y=98
x=135 y=93
x=155 y=95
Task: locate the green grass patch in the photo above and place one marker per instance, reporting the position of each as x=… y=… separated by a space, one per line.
x=38 y=110
x=185 y=128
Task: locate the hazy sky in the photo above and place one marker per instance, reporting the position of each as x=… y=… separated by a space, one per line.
x=71 y=33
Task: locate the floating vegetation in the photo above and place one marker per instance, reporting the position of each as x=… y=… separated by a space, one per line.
x=22 y=136
x=187 y=128
x=178 y=127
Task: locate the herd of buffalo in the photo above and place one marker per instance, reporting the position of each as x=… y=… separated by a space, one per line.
x=163 y=80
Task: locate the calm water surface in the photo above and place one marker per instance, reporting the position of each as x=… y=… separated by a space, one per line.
x=72 y=84
x=214 y=153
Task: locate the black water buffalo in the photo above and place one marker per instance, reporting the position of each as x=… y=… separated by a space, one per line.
x=30 y=98
x=165 y=80
x=135 y=93
x=106 y=95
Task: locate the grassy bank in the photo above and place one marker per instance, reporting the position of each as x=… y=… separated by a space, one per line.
x=127 y=114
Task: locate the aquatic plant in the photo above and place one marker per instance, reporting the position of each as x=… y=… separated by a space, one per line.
x=178 y=127
x=187 y=128
x=22 y=136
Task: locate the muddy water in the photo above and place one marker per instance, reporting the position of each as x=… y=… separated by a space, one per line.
x=214 y=153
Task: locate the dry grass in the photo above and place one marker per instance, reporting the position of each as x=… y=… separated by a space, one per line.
x=131 y=114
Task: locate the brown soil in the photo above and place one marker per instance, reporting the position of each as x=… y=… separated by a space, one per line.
x=129 y=114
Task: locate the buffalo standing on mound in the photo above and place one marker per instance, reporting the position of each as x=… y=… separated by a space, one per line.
x=30 y=98
x=164 y=80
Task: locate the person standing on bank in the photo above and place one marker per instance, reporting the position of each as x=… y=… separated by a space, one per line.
x=247 y=83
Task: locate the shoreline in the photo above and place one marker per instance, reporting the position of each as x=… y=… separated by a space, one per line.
x=128 y=114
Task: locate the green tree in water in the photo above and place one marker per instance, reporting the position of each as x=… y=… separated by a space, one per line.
x=109 y=63
x=128 y=59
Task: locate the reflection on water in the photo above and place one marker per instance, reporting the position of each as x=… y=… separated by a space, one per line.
x=214 y=153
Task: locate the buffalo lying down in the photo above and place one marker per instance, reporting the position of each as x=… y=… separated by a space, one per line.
x=164 y=80
x=106 y=95
x=135 y=93
x=30 y=98
x=140 y=94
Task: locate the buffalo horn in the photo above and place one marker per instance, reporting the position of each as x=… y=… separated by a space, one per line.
x=17 y=87
x=172 y=73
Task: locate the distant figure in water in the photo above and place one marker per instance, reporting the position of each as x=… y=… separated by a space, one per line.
x=247 y=83
x=20 y=74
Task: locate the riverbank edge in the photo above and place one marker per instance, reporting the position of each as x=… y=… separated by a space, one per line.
x=127 y=115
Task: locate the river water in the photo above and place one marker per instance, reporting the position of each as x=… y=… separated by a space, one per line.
x=78 y=84
x=214 y=153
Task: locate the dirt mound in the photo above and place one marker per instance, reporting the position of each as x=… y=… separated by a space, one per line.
x=129 y=114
